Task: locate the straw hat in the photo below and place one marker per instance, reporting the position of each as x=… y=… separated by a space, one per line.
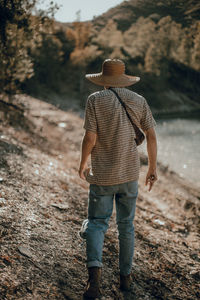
x=112 y=75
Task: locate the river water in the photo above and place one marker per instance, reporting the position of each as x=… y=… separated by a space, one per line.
x=179 y=147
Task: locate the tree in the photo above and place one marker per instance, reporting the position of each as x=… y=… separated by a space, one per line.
x=17 y=35
x=82 y=53
x=195 y=59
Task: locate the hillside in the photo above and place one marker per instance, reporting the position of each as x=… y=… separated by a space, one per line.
x=127 y=13
x=158 y=40
x=43 y=203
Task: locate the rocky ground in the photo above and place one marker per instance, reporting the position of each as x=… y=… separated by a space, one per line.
x=43 y=203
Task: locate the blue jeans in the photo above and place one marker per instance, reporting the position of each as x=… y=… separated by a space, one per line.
x=99 y=212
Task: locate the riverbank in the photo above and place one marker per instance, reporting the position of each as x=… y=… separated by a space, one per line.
x=191 y=114
x=43 y=203
x=178 y=144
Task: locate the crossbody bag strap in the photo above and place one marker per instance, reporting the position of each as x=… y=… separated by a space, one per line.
x=124 y=106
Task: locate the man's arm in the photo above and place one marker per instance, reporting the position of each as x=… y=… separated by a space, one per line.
x=151 y=176
x=88 y=144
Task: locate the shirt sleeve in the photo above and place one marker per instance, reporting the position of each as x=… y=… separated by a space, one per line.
x=90 y=122
x=147 y=121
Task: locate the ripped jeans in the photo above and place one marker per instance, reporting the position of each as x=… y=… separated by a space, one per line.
x=99 y=212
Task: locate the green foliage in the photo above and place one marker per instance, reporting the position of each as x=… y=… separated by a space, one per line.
x=15 y=63
x=18 y=33
x=51 y=61
x=15 y=35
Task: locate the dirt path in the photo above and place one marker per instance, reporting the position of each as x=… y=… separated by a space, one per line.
x=42 y=206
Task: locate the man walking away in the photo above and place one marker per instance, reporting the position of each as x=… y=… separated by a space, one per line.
x=112 y=118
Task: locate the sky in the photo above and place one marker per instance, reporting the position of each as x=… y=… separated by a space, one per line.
x=88 y=8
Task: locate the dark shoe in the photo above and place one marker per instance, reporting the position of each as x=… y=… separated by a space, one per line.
x=93 y=285
x=125 y=282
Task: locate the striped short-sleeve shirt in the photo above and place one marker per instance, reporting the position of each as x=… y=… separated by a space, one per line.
x=114 y=158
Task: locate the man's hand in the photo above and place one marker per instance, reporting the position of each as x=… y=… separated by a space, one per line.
x=152 y=155
x=83 y=172
x=151 y=178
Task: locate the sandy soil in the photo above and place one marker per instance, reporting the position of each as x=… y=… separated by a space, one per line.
x=43 y=203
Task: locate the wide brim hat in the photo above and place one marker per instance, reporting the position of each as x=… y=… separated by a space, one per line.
x=112 y=75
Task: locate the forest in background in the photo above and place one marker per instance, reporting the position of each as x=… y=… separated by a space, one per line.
x=159 y=41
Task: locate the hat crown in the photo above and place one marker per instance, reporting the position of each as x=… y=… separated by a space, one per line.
x=113 y=67
x=112 y=75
